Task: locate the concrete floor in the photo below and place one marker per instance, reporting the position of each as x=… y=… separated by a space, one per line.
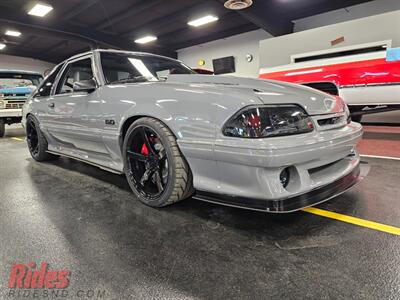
x=83 y=219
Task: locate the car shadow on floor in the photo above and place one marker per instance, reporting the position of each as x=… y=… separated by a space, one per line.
x=183 y=246
x=275 y=225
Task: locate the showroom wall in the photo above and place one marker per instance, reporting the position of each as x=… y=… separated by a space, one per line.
x=23 y=63
x=349 y=13
x=237 y=46
x=277 y=51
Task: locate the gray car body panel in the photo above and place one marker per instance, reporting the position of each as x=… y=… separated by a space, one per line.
x=195 y=108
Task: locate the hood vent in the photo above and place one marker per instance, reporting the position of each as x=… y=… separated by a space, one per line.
x=238 y=4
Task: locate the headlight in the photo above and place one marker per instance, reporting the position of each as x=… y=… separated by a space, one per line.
x=268 y=121
x=2 y=104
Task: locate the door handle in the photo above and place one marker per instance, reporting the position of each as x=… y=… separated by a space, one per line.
x=51 y=105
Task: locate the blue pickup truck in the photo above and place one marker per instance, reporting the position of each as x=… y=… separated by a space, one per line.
x=15 y=87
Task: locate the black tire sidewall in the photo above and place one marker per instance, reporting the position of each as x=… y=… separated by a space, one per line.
x=168 y=190
x=2 y=128
x=42 y=143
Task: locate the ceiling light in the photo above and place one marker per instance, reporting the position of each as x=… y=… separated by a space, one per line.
x=2 y=46
x=13 y=33
x=40 y=10
x=146 y=39
x=203 y=20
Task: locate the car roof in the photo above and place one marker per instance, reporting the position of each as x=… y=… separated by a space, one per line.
x=20 y=72
x=114 y=51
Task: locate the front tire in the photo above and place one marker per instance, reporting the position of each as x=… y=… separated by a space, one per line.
x=156 y=170
x=2 y=128
x=37 y=143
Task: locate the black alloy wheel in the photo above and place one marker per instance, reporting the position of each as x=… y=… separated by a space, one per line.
x=147 y=162
x=32 y=137
x=156 y=170
x=37 y=143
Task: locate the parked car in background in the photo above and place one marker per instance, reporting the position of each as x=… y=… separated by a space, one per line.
x=15 y=87
x=364 y=76
x=268 y=146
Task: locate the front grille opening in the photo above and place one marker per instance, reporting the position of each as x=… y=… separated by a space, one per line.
x=14 y=105
x=329 y=170
x=331 y=121
x=321 y=168
x=326 y=87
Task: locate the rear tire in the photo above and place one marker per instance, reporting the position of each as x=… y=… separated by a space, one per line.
x=170 y=178
x=37 y=143
x=2 y=128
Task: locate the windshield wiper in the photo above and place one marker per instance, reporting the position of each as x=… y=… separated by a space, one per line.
x=133 y=79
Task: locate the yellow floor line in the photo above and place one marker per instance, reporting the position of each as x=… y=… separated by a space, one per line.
x=17 y=139
x=353 y=220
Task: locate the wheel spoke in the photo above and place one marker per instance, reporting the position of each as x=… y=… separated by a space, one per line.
x=146 y=140
x=158 y=181
x=146 y=175
x=137 y=156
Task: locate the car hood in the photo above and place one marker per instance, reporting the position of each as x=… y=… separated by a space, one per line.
x=269 y=92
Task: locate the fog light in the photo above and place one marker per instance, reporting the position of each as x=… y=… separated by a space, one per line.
x=285 y=177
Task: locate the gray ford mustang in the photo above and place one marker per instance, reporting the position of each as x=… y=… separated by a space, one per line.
x=261 y=145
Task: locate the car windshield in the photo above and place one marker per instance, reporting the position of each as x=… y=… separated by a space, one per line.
x=125 y=67
x=8 y=80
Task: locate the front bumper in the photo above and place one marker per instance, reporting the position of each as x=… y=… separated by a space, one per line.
x=291 y=204
x=10 y=113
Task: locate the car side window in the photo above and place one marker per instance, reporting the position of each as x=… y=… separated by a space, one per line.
x=75 y=71
x=45 y=87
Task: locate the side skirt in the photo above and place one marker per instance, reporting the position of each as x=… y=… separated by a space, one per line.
x=87 y=162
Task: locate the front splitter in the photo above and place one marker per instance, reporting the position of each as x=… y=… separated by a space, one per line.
x=287 y=205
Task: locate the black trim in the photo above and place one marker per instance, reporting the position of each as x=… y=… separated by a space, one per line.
x=324 y=86
x=311 y=198
x=372 y=49
x=358 y=110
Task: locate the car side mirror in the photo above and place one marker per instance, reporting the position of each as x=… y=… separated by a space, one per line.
x=84 y=86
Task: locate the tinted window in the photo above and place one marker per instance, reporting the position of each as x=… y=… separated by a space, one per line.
x=45 y=87
x=125 y=67
x=76 y=71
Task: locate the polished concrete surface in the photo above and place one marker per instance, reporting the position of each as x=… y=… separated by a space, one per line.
x=83 y=219
x=381 y=140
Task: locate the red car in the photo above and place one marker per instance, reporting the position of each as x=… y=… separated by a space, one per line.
x=367 y=78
